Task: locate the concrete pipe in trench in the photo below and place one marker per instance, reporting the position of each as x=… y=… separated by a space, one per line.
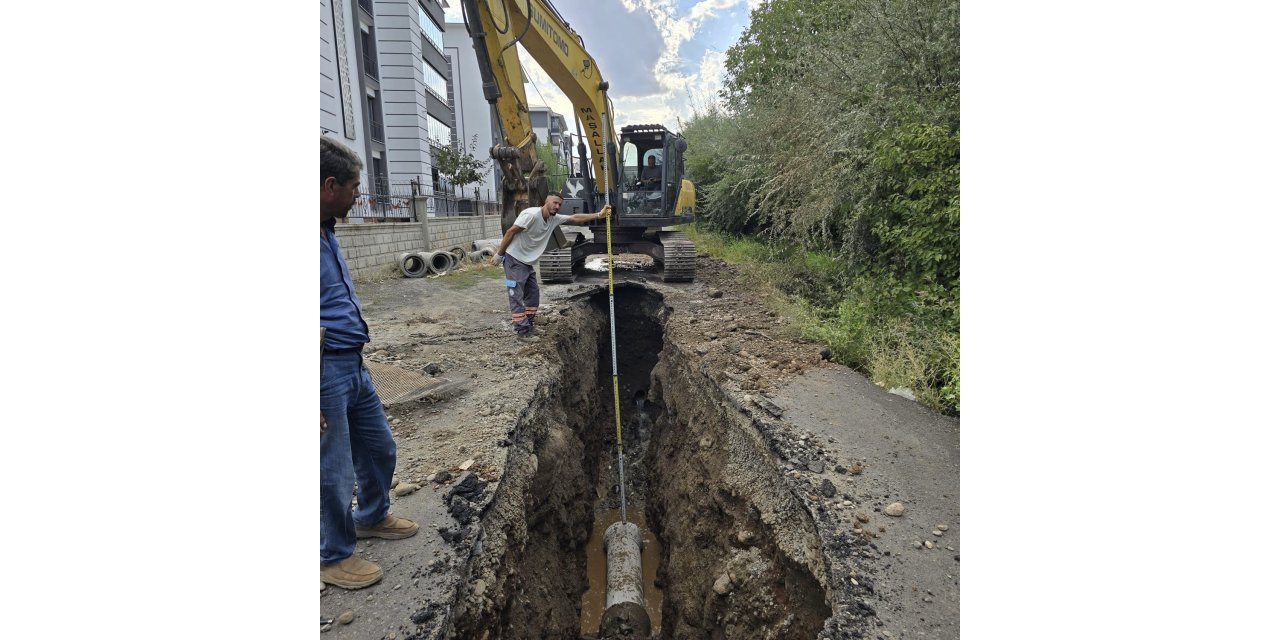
x=624 y=612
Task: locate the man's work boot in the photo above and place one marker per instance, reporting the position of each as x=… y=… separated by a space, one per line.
x=351 y=573
x=391 y=528
x=526 y=338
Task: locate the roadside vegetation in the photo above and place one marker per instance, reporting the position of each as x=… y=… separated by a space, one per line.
x=830 y=167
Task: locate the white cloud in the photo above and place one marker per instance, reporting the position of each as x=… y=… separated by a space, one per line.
x=708 y=7
x=675 y=88
x=680 y=88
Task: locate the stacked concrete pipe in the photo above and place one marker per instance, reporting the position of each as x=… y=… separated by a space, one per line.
x=481 y=255
x=412 y=265
x=459 y=253
x=437 y=261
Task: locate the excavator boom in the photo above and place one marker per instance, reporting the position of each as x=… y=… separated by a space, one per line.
x=496 y=26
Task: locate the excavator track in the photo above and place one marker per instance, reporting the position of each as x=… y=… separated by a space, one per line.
x=557 y=265
x=677 y=256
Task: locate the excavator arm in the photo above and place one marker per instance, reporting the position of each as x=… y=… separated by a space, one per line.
x=495 y=26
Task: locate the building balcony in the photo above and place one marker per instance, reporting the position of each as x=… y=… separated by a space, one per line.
x=375 y=131
x=371 y=65
x=367 y=5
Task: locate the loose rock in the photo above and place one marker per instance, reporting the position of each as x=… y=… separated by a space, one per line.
x=941 y=527
x=936 y=532
x=929 y=544
x=816 y=466
x=828 y=489
x=863 y=517
x=461 y=510
x=467 y=465
x=405 y=489
x=896 y=509
x=470 y=487
x=346 y=617
x=768 y=405
x=716 y=293
x=745 y=537
x=855 y=469
x=723 y=584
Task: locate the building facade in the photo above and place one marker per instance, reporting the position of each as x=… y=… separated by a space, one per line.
x=342 y=115
x=394 y=91
x=550 y=128
x=474 y=119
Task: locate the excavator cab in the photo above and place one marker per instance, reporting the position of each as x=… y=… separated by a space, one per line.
x=652 y=174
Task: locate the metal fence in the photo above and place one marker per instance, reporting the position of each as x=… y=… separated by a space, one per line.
x=383 y=201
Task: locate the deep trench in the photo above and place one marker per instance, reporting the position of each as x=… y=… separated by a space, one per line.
x=739 y=555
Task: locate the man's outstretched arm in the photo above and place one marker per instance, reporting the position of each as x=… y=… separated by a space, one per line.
x=580 y=218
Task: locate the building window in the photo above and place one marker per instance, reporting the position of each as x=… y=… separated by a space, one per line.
x=429 y=29
x=437 y=131
x=369 y=53
x=436 y=83
x=375 y=119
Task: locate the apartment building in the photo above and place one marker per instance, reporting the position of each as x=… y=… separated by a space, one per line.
x=550 y=128
x=473 y=117
x=396 y=89
x=342 y=112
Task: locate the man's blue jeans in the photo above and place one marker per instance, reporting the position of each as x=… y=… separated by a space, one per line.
x=356 y=446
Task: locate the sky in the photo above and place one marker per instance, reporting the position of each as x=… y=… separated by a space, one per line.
x=662 y=58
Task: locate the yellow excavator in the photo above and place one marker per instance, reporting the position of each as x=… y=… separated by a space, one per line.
x=639 y=173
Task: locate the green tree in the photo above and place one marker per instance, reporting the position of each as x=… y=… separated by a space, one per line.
x=460 y=165
x=839 y=133
x=557 y=173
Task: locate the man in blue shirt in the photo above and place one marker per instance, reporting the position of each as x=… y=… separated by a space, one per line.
x=355 y=440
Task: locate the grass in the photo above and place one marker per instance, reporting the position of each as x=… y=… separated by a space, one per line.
x=895 y=336
x=469 y=274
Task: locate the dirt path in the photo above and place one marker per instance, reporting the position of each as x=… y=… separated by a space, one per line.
x=732 y=421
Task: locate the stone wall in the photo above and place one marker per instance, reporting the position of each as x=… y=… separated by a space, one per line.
x=373 y=249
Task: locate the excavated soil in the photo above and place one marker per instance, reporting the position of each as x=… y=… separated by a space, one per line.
x=703 y=478
x=757 y=528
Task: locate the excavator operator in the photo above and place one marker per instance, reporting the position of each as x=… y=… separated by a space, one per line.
x=651 y=175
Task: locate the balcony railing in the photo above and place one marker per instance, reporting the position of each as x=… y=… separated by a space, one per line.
x=371 y=65
x=375 y=131
x=367 y=5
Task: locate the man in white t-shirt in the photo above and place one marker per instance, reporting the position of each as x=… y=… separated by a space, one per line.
x=522 y=245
